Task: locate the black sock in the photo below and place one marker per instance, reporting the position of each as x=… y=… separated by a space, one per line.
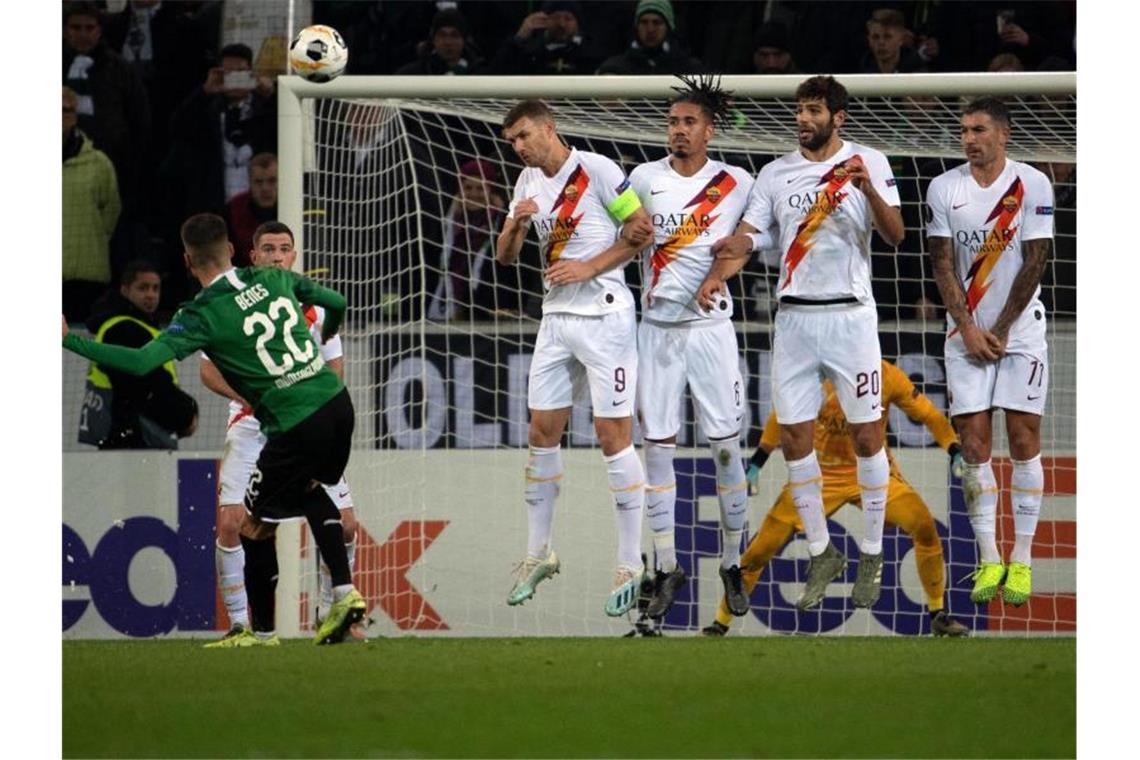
x=324 y=522
x=261 y=582
x=936 y=613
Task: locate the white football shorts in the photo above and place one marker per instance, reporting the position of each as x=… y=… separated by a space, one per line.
x=572 y=350
x=1016 y=381
x=704 y=355
x=243 y=445
x=839 y=342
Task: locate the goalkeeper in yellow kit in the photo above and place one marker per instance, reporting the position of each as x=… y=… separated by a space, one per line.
x=905 y=508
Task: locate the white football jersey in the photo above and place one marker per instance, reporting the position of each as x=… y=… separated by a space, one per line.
x=689 y=214
x=986 y=226
x=334 y=349
x=824 y=222
x=574 y=222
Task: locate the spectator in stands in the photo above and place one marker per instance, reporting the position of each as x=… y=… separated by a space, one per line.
x=655 y=49
x=1033 y=31
x=112 y=104
x=90 y=210
x=771 y=53
x=447 y=51
x=168 y=45
x=220 y=127
x=1059 y=283
x=549 y=41
x=123 y=411
x=926 y=310
x=472 y=285
x=887 y=52
x=1005 y=62
x=246 y=211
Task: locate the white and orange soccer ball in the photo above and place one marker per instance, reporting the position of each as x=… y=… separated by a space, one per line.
x=318 y=53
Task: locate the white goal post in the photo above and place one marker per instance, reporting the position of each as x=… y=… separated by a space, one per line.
x=440 y=440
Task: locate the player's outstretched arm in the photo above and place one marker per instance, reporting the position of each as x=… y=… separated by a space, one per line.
x=900 y=391
x=134 y=361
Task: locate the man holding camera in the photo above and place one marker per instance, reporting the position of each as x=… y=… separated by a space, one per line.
x=220 y=127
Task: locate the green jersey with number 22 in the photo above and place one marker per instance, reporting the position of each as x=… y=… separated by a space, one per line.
x=251 y=324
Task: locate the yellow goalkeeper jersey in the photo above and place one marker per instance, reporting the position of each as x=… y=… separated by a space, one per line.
x=833 y=444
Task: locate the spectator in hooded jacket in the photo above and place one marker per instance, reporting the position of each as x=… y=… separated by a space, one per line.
x=655 y=49
x=90 y=211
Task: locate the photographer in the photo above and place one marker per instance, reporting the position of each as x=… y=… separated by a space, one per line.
x=219 y=128
x=548 y=41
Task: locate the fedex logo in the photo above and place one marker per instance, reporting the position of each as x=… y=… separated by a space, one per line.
x=98 y=579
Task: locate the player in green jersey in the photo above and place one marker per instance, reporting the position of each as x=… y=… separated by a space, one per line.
x=250 y=323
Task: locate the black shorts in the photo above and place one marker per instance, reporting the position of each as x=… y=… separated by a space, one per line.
x=317 y=448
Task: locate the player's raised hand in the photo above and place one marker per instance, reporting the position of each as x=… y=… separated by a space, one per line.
x=981 y=345
x=860 y=176
x=638 y=231
x=733 y=247
x=711 y=291
x=567 y=272
x=525 y=209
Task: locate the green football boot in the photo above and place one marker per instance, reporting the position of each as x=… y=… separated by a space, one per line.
x=343 y=614
x=1018 y=584
x=987 y=580
x=239 y=638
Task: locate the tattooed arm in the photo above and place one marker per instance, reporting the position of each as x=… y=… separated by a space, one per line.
x=980 y=344
x=1036 y=255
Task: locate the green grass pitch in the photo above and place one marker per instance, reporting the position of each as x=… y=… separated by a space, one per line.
x=581 y=697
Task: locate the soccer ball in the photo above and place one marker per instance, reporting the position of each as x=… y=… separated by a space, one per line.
x=318 y=54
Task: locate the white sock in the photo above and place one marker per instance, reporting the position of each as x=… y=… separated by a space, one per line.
x=1026 y=490
x=324 y=579
x=230 y=565
x=627 y=486
x=806 y=480
x=980 y=487
x=874 y=477
x=661 y=501
x=732 y=495
x=340 y=591
x=543 y=483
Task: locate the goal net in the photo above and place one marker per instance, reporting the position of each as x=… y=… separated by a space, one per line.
x=399 y=186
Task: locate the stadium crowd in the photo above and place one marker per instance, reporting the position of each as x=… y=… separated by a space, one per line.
x=162 y=120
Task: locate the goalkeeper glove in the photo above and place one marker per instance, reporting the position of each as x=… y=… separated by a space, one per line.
x=759 y=457
x=957 y=464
